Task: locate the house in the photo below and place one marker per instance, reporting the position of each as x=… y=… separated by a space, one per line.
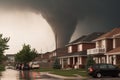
x=77 y=51
x=43 y=60
x=47 y=59
x=56 y=53
x=10 y=58
x=107 y=48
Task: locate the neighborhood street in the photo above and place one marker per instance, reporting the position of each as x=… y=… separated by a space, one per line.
x=10 y=74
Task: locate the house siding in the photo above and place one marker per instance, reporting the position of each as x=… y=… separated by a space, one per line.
x=74 y=48
x=117 y=42
x=118 y=60
x=88 y=46
x=109 y=44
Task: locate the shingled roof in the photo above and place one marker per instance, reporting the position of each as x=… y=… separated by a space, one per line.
x=92 y=36
x=87 y=38
x=79 y=39
x=114 y=50
x=81 y=53
x=109 y=34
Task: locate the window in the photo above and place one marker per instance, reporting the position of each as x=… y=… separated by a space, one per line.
x=103 y=66
x=80 y=47
x=69 y=49
x=111 y=67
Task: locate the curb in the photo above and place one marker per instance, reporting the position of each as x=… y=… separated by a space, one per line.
x=62 y=77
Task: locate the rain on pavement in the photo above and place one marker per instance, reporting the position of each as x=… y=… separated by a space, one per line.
x=10 y=74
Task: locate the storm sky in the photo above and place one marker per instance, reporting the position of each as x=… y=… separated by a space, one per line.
x=70 y=19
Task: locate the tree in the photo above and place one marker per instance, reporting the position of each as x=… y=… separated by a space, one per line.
x=56 y=64
x=89 y=61
x=3 y=46
x=26 y=54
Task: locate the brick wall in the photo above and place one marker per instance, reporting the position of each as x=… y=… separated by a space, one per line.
x=109 y=44
x=88 y=46
x=117 y=42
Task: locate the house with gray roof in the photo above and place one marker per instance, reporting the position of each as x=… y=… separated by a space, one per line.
x=77 y=51
x=107 y=48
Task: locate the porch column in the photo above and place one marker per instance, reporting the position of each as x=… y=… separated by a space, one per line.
x=80 y=60
x=95 y=59
x=62 y=63
x=99 y=60
x=107 y=57
x=73 y=60
x=68 y=60
x=114 y=59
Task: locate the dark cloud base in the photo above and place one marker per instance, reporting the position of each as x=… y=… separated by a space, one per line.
x=64 y=15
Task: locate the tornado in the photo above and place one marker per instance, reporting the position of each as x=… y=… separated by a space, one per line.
x=72 y=18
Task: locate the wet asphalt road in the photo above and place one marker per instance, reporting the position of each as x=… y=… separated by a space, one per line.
x=10 y=74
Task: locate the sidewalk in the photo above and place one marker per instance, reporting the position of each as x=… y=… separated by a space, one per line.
x=62 y=77
x=9 y=74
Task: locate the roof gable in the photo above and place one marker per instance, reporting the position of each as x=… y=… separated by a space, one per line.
x=109 y=34
x=114 y=50
x=87 y=39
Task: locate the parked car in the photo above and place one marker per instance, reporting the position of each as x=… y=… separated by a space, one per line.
x=99 y=70
x=9 y=67
x=26 y=67
x=35 y=65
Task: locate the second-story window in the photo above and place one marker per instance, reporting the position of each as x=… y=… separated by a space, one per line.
x=99 y=44
x=70 y=49
x=114 y=42
x=80 y=47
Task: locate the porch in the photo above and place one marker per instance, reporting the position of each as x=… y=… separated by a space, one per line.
x=113 y=59
x=73 y=60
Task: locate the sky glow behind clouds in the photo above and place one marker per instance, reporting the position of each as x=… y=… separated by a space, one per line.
x=26 y=27
x=71 y=17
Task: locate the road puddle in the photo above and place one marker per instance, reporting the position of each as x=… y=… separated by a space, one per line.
x=28 y=75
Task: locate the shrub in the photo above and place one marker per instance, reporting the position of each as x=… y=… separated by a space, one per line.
x=56 y=64
x=89 y=61
x=2 y=68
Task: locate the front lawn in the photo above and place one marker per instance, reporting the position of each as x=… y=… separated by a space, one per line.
x=2 y=68
x=71 y=72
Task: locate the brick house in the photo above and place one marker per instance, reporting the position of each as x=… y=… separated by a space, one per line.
x=47 y=59
x=43 y=59
x=11 y=57
x=77 y=51
x=107 y=48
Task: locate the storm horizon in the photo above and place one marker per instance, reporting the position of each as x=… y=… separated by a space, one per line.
x=70 y=19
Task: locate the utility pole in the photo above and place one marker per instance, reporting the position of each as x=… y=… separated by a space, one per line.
x=56 y=43
x=41 y=53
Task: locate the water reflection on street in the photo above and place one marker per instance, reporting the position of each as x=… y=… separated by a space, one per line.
x=11 y=74
x=28 y=75
x=24 y=75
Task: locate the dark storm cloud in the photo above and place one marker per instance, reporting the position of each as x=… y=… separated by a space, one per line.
x=64 y=15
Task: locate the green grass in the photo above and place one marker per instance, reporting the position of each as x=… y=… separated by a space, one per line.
x=2 y=68
x=71 y=72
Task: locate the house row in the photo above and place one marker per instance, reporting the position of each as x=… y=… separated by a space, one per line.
x=107 y=48
x=77 y=51
x=104 y=47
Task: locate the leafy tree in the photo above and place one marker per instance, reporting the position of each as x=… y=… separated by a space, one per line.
x=3 y=46
x=56 y=64
x=89 y=61
x=26 y=54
